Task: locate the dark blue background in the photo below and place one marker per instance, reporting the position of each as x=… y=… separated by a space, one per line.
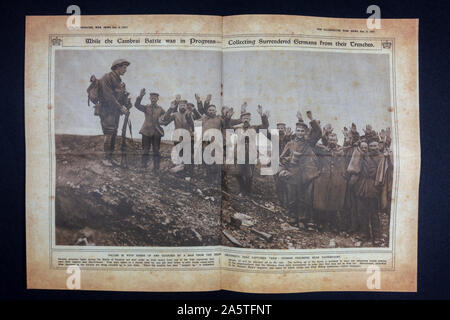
x=434 y=240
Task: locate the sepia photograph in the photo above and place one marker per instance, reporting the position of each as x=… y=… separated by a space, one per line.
x=334 y=183
x=115 y=112
x=123 y=118
x=253 y=153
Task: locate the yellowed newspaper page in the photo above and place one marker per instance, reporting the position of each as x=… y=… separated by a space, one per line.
x=102 y=214
x=340 y=213
x=248 y=153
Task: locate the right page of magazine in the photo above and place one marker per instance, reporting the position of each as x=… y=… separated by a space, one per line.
x=329 y=200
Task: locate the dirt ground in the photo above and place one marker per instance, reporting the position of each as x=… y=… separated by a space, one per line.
x=113 y=206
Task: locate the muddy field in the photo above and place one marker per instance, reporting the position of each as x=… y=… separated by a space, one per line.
x=112 y=206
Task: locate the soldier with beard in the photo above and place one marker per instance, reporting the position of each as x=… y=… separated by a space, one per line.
x=246 y=170
x=112 y=104
x=368 y=192
x=299 y=167
x=285 y=135
x=211 y=120
x=182 y=120
x=329 y=187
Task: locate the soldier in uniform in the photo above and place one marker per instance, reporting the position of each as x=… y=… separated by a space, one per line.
x=329 y=187
x=211 y=120
x=299 y=167
x=350 y=213
x=113 y=104
x=354 y=133
x=369 y=134
x=246 y=170
x=368 y=192
x=182 y=120
x=285 y=135
x=151 y=130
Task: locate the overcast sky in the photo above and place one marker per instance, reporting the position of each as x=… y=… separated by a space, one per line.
x=168 y=72
x=339 y=88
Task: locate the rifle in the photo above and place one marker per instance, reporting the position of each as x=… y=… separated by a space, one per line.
x=124 y=162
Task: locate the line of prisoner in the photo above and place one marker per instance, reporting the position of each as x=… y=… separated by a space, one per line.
x=323 y=186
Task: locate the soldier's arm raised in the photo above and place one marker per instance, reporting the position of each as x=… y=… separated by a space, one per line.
x=316 y=132
x=200 y=107
x=229 y=122
x=168 y=116
x=264 y=120
x=138 y=104
x=234 y=122
x=207 y=102
x=195 y=114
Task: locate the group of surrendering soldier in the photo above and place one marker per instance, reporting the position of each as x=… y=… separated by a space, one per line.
x=322 y=185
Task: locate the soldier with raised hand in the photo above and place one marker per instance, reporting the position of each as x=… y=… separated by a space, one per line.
x=203 y=108
x=349 y=212
x=285 y=135
x=299 y=168
x=181 y=117
x=113 y=104
x=330 y=186
x=210 y=118
x=367 y=189
x=151 y=130
x=327 y=131
x=369 y=134
x=182 y=120
x=246 y=170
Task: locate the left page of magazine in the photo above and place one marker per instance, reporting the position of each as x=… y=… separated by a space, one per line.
x=102 y=103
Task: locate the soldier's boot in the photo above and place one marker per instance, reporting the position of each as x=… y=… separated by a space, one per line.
x=309 y=221
x=241 y=184
x=113 y=142
x=293 y=219
x=249 y=185
x=144 y=160
x=113 y=147
x=107 y=150
x=189 y=170
x=156 y=158
x=224 y=181
x=291 y=209
x=108 y=147
x=376 y=229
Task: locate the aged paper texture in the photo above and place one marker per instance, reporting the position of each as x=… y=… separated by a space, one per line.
x=125 y=183
x=387 y=61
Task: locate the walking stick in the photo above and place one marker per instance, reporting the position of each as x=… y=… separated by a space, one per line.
x=124 y=162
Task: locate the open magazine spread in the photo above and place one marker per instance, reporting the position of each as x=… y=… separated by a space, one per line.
x=255 y=153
